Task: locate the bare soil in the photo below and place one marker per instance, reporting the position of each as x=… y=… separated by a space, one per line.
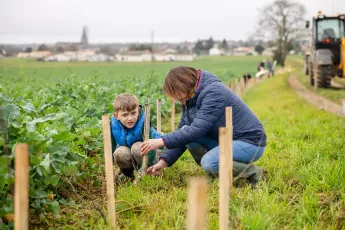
x=315 y=99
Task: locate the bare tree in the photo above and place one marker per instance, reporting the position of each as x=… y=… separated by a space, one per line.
x=282 y=21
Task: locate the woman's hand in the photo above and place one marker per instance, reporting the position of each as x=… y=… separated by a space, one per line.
x=157 y=169
x=151 y=144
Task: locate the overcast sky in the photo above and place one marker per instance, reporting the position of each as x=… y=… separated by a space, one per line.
x=27 y=21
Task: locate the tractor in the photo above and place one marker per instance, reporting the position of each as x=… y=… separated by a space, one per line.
x=326 y=58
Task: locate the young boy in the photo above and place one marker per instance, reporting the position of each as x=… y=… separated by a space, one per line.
x=127 y=129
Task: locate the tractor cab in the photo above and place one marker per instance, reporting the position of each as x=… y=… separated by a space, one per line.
x=327 y=49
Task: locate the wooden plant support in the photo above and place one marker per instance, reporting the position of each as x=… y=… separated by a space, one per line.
x=242 y=85
x=146 y=137
x=223 y=180
x=238 y=89
x=109 y=171
x=21 y=196
x=172 y=119
x=233 y=85
x=159 y=122
x=197 y=199
x=229 y=133
x=159 y=116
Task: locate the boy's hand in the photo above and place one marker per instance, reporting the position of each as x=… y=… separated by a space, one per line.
x=157 y=169
x=151 y=144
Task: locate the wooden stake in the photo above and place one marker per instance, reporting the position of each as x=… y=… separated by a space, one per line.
x=172 y=121
x=109 y=171
x=197 y=198
x=146 y=137
x=159 y=116
x=238 y=89
x=223 y=180
x=21 y=196
x=241 y=86
x=229 y=130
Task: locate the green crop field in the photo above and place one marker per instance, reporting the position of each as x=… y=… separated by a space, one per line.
x=38 y=74
x=56 y=108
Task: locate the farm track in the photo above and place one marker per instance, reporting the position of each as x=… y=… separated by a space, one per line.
x=315 y=99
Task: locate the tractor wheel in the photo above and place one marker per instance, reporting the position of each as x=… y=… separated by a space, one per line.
x=324 y=75
x=311 y=74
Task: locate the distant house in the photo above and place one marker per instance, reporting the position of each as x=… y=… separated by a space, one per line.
x=34 y=54
x=216 y=51
x=63 y=57
x=146 y=55
x=134 y=56
x=269 y=51
x=82 y=55
x=100 y=57
x=173 y=55
x=244 y=51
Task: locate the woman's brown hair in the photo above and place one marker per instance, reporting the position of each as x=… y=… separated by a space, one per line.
x=181 y=79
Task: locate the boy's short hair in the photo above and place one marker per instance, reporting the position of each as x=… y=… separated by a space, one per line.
x=125 y=102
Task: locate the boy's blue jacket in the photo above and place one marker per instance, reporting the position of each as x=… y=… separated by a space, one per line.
x=204 y=114
x=122 y=136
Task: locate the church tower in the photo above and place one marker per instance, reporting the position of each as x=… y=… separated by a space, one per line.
x=84 y=38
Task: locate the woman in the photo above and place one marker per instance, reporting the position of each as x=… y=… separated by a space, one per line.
x=203 y=100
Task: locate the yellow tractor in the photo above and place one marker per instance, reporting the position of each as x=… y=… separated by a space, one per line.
x=326 y=58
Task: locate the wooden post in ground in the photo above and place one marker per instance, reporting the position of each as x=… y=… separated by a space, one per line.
x=223 y=180
x=159 y=116
x=229 y=130
x=146 y=137
x=197 y=199
x=229 y=84
x=159 y=122
x=109 y=176
x=21 y=196
x=238 y=89
x=242 y=85
x=172 y=119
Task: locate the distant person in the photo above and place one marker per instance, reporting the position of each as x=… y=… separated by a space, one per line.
x=203 y=100
x=246 y=77
x=127 y=126
x=270 y=68
x=261 y=66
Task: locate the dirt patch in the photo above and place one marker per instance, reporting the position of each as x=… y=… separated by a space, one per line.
x=315 y=99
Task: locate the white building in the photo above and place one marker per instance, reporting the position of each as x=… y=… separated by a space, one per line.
x=63 y=57
x=134 y=56
x=269 y=51
x=34 y=54
x=244 y=51
x=142 y=56
x=215 y=51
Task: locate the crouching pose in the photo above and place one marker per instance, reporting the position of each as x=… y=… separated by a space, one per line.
x=127 y=128
x=203 y=100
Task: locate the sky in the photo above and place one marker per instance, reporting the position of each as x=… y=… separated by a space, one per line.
x=50 y=21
